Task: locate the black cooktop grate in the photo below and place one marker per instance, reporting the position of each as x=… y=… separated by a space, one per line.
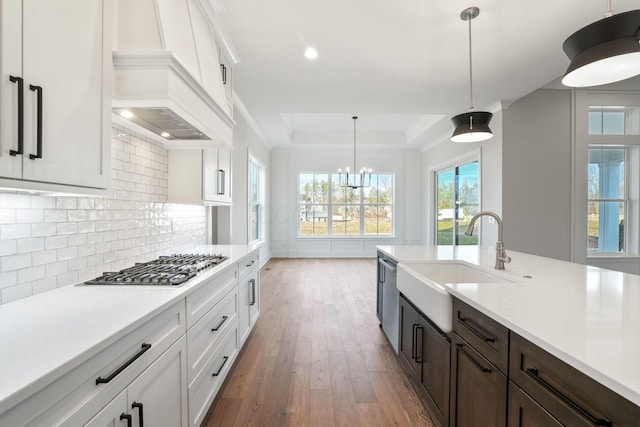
x=165 y=271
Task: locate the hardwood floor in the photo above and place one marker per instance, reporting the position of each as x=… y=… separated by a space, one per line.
x=317 y=356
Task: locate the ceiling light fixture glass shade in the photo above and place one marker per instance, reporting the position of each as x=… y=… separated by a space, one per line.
x=605 y=51
x=474 y=125
x=354 y=180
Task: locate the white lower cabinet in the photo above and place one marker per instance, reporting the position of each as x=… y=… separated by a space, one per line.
x=248 y=302
x=165 y=372
x=207 y=383
x=156 y=398
x=113 y=415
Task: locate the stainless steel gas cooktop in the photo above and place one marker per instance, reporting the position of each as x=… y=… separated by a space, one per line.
x=171 y=270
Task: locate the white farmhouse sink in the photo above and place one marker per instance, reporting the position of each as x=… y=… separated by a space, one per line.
x=423 y=284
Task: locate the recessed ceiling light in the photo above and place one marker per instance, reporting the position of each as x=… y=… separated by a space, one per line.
x=126 y=114
x=165 y=134
x=311 y=53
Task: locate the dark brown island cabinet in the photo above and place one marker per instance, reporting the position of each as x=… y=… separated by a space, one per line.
x=424 y=353
x=484 y=375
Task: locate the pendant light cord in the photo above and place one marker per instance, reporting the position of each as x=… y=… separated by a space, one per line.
x=470 y=68
x=609 y=11
x=354 y=143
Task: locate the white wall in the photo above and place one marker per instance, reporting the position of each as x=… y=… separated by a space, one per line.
x=445 y=154
x=286 y=165
x=48 y=242
x=537 y=174
x=246 y=141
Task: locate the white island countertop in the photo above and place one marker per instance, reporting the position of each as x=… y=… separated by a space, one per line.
x=588 y=317
x=47 y=335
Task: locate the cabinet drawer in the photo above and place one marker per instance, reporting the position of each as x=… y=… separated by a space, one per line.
x=247 y=264
x=87 y=388
x=566 y=393
x=206 y=385
x=524 y=411
x=486 y=335
x=209 y=294
x=206 y=335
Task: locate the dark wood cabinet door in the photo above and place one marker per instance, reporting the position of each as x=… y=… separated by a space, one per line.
x=407 y=345
x=525 y=412
x=435 y=358
x=478 y=389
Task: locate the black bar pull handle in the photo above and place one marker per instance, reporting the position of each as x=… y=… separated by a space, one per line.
x=533 y=373
x=127 y=417
x=224 y=319
x=20 y=82
x=145 y=348
x=463 y=321
x=224 y=73
x=253 y=292
x=221 y=182
x=38 y=91
x=419 y=328
x=250 y=264
x=474 y=361
x=215 y=374
x=138 y=406
x=414 y=342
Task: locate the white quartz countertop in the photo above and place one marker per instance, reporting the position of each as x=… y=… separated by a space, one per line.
x=47 y=335
x=586 y=316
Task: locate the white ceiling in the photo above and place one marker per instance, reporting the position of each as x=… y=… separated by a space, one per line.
x=401 y=66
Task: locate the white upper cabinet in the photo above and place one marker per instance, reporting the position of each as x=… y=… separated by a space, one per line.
x=55 y=103
x=200 y=176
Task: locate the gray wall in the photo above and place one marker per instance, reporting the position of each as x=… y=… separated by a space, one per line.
x=536 y=168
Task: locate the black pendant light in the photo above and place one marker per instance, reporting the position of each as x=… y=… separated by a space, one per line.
x=348 y=179
x=474 y=125
x=605 y=51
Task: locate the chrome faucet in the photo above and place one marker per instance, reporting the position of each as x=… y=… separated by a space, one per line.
x=501 y=254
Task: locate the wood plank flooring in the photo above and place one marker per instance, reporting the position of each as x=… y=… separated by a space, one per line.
x=317 y=356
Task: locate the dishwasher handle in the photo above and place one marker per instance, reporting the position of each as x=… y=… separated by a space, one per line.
x=393 y=268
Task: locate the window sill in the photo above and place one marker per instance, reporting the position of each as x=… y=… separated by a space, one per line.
x=344 y=237
x=612 y=256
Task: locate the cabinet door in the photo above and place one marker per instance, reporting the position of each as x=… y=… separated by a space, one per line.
x=10 y=66
x=435 y=357
x=407 y=345
x=224 y=165
x=244 y=298
x=67 y=53
x=525 y=412
x=160 y=392
x=110 y=415
x=254 y=297
x=478 y=389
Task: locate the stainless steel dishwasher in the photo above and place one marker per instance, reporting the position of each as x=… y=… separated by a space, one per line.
x=388 y=298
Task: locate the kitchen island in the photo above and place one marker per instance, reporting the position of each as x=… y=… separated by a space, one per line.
x=47 y=337
x=585 y=316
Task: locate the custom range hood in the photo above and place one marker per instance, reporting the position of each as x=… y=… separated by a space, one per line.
x=167 y=75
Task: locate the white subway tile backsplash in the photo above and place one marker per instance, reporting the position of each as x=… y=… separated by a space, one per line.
x=8 y=279
x=43 y=230
x=8 y=247
x=30 y=274
x=14 y=201
x=15 y=231
x=7 y=216
x=15 y=262
x=55 y=242
x=51 y=215
x=43 y=257
x=52 y=241
x=30 y=245
x=29 y=216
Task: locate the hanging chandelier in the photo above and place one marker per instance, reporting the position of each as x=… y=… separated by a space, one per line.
x=605 y=51
x=350 y=179
x=474 y=125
